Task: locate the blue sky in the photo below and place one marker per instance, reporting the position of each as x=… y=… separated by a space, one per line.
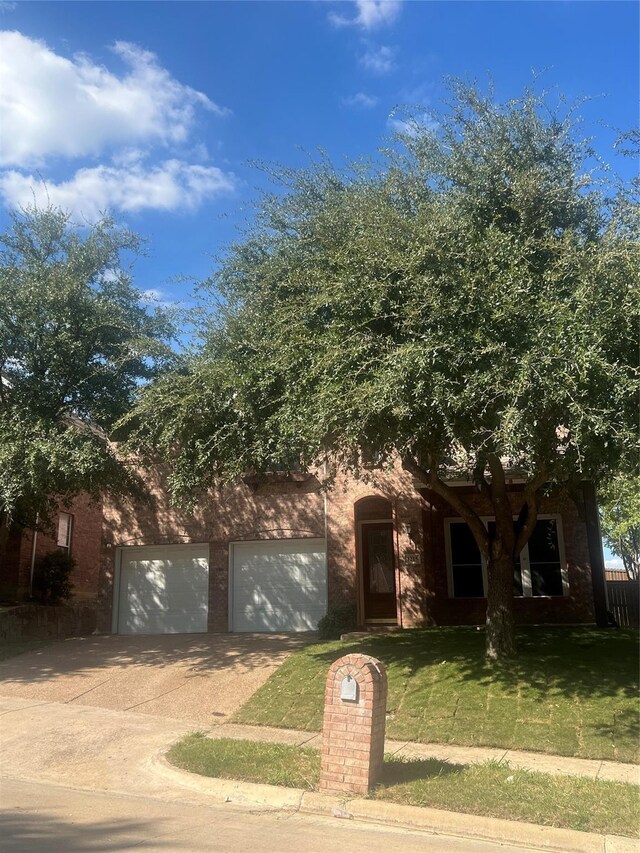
x=155 y=110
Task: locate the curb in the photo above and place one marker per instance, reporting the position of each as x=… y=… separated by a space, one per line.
x=431 y=821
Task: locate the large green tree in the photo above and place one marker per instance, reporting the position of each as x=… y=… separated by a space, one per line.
x=76 y=341
x=466 y=303
x=620 y=519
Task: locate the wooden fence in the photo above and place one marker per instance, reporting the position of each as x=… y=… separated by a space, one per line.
x=624 y=602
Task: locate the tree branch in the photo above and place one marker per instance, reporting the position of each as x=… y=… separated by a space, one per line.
x=451 y=496
x=500 y=502
x=526 y=524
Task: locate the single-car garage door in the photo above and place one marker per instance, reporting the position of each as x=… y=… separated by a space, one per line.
x=278 y=585
x=163 y=590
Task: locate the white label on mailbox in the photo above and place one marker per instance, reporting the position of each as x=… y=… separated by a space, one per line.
x=349 y=689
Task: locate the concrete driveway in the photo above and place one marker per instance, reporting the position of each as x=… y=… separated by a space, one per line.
x=197 y=678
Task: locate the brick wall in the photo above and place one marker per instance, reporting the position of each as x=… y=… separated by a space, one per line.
x=269 y=509
x=353 y=731
x=577 y=607
x=86 y=535
x=273 y=509
x=396 y=487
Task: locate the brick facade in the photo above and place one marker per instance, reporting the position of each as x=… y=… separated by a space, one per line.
x=576 y=607
x=85 y=548
x=297 y=507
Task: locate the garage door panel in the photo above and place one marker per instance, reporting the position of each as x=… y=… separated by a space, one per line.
x=279 y=585
x=163 y=590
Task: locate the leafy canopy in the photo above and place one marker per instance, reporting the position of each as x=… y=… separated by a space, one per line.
x=620 y=518
x=470 y=296
x=76 y=341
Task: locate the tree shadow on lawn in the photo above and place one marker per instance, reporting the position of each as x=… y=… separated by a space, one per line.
x=399 y=771
x=625 y=726
x=583 y=663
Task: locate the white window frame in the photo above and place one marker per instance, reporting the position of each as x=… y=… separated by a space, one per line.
x=525 y=565
x=66 y=545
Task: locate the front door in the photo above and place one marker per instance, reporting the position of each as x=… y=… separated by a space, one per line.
x=378 y=571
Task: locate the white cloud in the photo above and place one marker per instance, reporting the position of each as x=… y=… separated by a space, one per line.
x=418 y=94
x=170 y=186
x=423 y=124
x=52 y=105
x=156 y=298
x=360 y=101
x=378 y=60
x=614 y=562
x=152 y=295
x=370 y=14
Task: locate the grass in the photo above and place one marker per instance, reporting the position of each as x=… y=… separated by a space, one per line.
x=11 y=648
x=571 y=691
x=491 y=789
x=267 y=763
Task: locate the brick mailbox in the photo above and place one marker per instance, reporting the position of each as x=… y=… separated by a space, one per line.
x=355 y=709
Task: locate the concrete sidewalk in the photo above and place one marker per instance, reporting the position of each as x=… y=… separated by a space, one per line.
x=97 y=749
x=557 y=765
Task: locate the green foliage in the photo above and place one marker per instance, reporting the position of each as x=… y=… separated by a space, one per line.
x=76 y=341
x=468 y=301
x=473 y=293
x=338 y=621
x=52 y=578
x=620 y=519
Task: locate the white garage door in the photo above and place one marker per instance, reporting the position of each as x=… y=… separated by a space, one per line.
x=278 y=585
x=163 y=590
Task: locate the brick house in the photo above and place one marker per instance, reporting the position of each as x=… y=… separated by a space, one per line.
x=274 y=553
x=77 y=529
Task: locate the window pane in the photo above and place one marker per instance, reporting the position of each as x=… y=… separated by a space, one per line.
x=517 y=578
x=543 y=544
x=466 y=562
x=544 y=559
x=467 y=581
x=463 y=546
x=64 y=529
x=380 y=551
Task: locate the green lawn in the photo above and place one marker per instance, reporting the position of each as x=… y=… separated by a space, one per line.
x=489 y=789
x=571 y=691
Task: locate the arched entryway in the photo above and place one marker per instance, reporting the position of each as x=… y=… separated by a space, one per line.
x=375 y=543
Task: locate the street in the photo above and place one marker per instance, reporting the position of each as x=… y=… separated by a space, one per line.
x=45 y=818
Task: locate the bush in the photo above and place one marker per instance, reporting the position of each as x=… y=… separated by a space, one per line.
x=51 y=579
x=339 y=620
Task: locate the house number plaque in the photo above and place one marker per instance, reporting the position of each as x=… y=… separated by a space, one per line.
x=349 y=689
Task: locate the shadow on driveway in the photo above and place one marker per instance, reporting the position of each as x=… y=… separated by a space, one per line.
x=198 y=677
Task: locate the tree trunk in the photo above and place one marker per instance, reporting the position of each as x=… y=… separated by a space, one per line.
x=500 y=622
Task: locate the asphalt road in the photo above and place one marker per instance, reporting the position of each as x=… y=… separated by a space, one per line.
x=45 y=818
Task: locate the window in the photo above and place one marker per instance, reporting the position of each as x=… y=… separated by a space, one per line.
x=540 y=570
x=467 y=570
x=545 y=563
x=64 y=530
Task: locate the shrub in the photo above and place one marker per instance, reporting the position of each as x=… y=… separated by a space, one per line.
x=51 y=579
x=338 y=621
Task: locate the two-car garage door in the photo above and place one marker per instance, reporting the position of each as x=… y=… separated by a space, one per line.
x=275 y=585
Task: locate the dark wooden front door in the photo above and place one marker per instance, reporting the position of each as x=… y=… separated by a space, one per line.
x=378 y=571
